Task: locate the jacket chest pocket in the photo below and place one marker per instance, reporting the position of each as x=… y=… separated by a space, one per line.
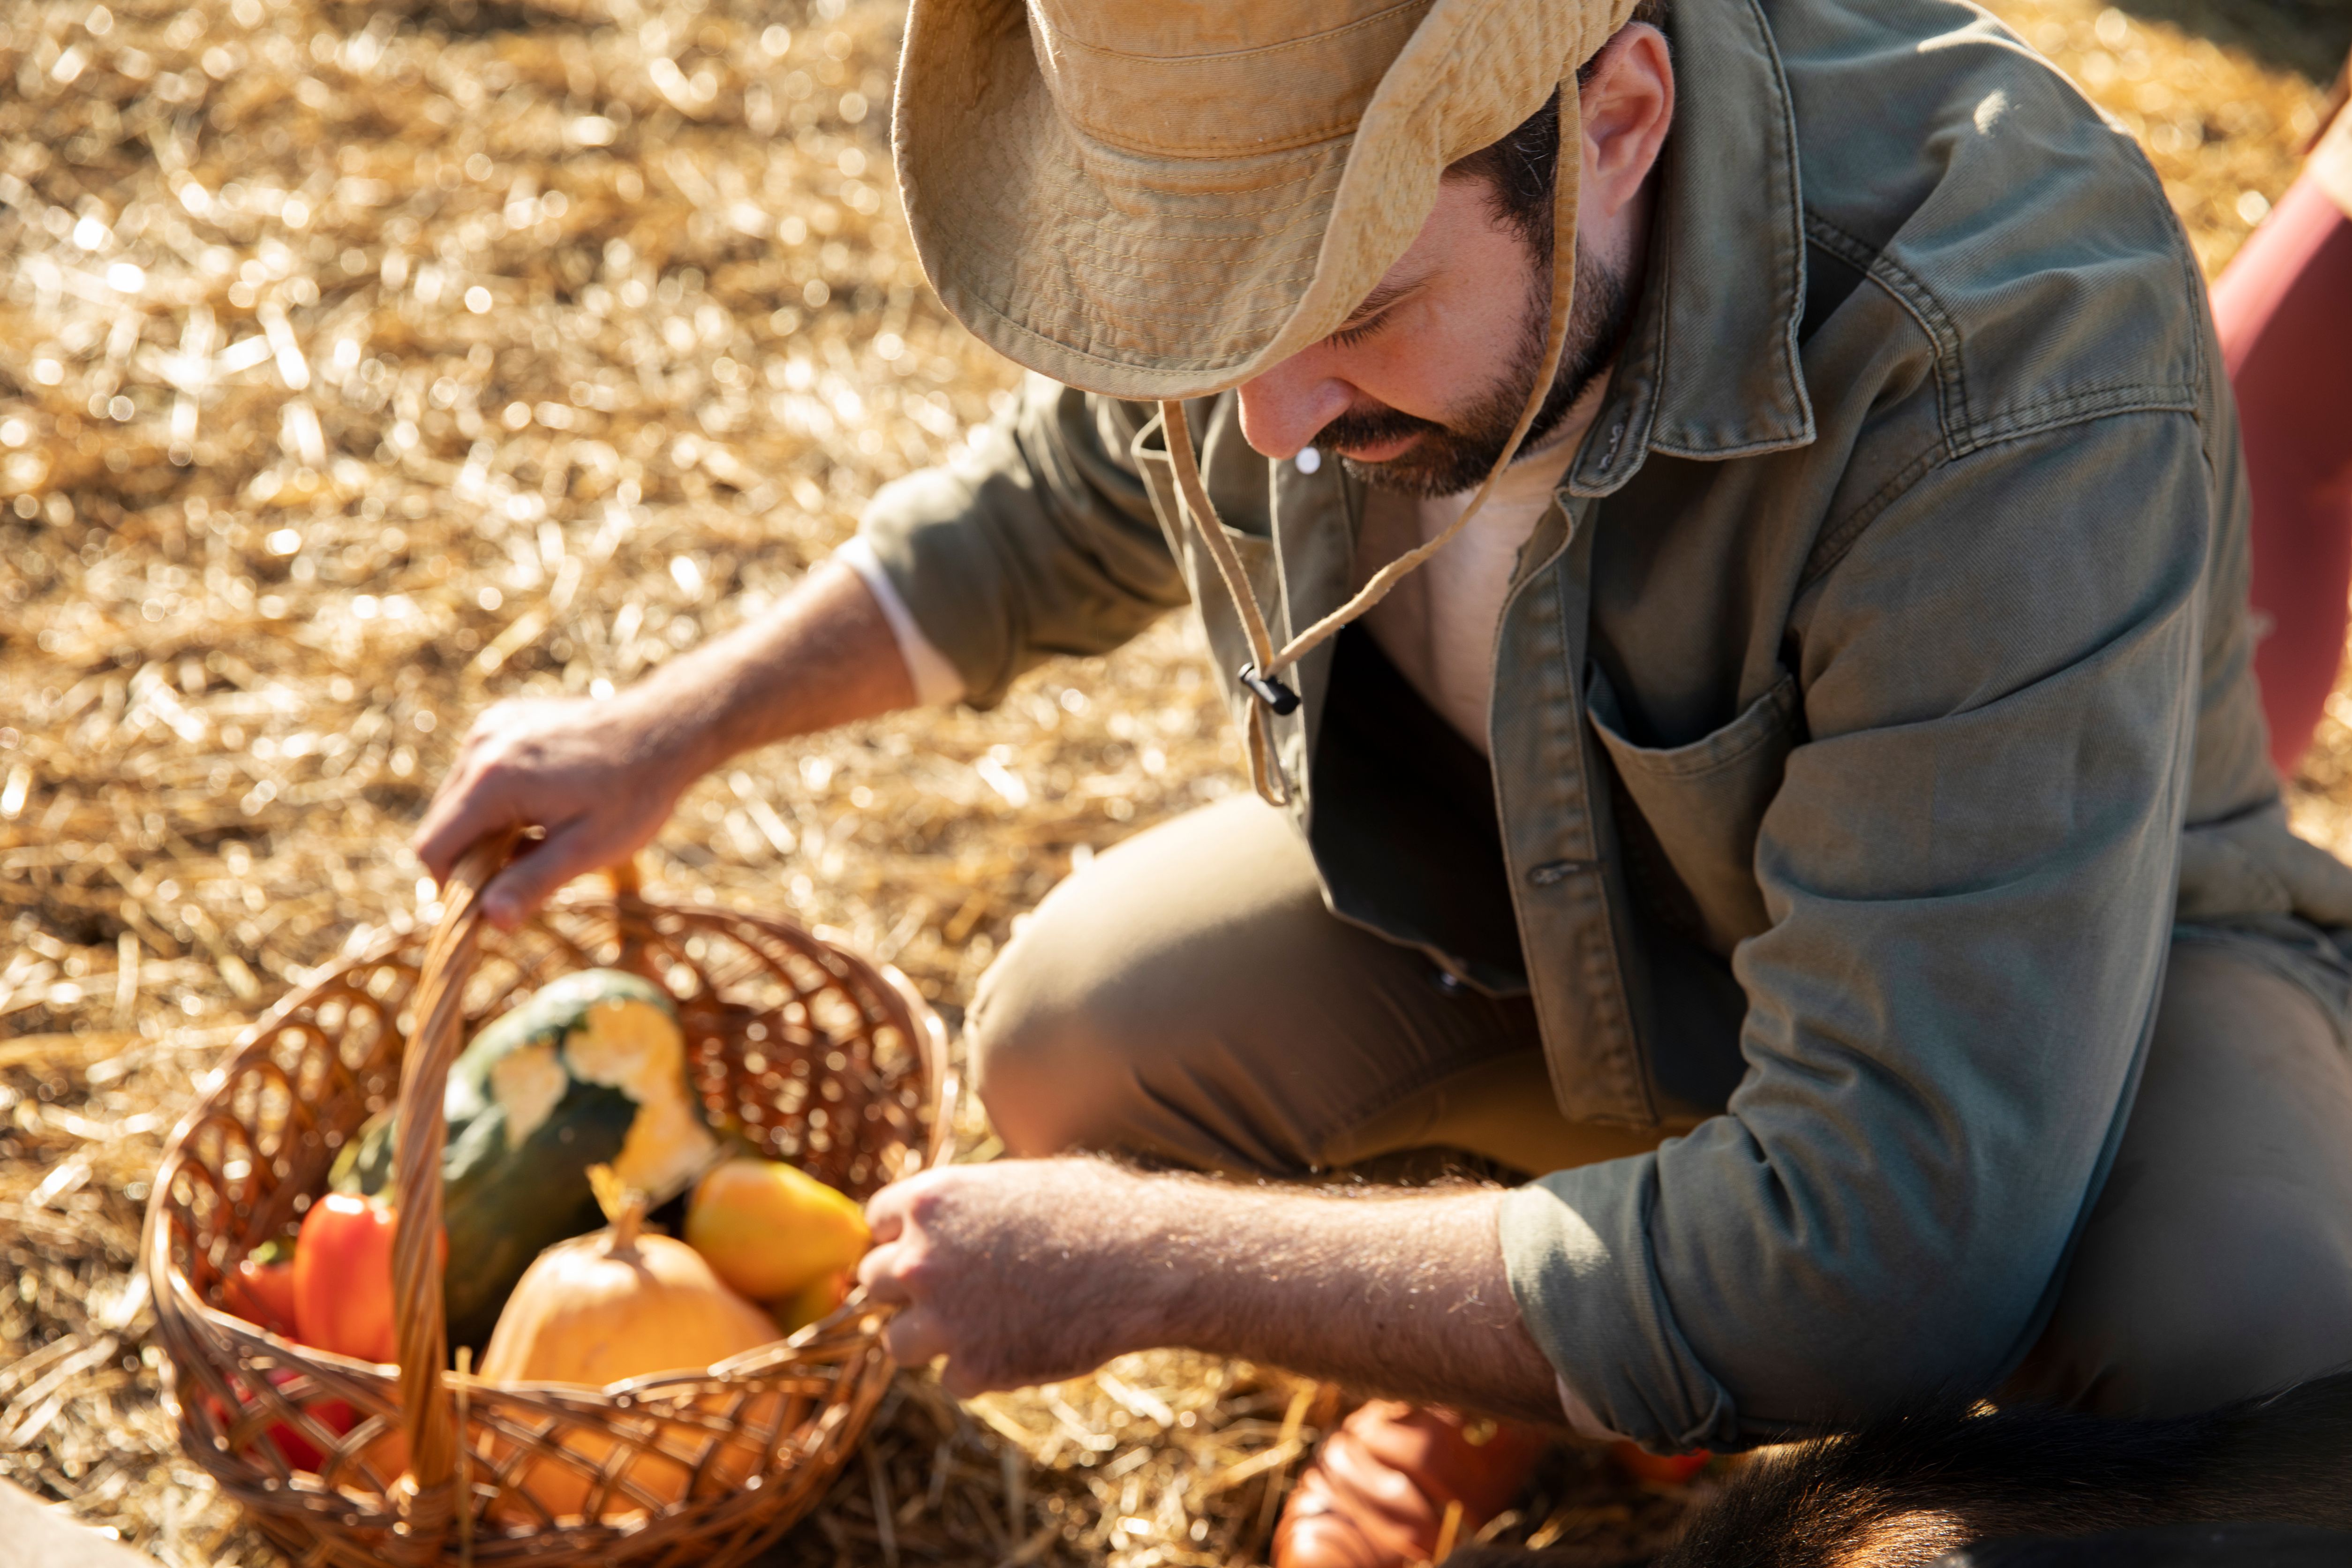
x=1703 y=802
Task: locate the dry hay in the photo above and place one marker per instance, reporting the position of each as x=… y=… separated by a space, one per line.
x=361 y=365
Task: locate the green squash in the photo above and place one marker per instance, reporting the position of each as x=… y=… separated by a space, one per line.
x=591 y=1069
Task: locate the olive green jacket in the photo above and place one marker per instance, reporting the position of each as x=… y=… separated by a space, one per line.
x=1885 y=656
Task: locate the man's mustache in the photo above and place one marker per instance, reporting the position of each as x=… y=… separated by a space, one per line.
x=1361 y=427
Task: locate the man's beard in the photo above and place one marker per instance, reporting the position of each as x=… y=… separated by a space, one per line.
x=1451 y=458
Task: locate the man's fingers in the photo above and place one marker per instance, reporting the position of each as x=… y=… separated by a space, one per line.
x=915 y=1336
x=879 y=1272
x=565 y=853
x=464 y=810
x=885 y=1212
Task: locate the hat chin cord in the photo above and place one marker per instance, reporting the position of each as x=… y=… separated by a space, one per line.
x=1261 y=676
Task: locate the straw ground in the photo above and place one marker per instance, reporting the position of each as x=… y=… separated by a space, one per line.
x=361 y=365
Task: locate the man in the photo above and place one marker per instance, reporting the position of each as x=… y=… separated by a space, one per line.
x=1812 y=812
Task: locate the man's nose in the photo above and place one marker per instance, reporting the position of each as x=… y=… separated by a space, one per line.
x=1283 y=409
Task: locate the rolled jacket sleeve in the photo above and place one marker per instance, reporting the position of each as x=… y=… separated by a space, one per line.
x=1042 y=540
x=1968 y=871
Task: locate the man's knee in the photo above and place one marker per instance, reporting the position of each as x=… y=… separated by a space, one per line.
x=1049 y=1056
x=1189 y=999
x=1108 y=1024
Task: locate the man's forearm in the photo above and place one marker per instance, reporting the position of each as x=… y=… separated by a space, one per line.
x=1025 y=1271
x=1402 y=1294
x=600 y=778
x=823 y=655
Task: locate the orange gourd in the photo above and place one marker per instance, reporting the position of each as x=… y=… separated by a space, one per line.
x=604 y=1308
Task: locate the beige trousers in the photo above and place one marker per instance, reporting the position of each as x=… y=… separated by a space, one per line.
x=1188 y=999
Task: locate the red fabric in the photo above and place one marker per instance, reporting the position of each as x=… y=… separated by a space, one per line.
x=2283 y=308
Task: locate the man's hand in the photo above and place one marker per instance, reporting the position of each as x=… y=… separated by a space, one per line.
x=601 y=777
x=1027 y=1271
x=596 y=775
x=1019 y=1272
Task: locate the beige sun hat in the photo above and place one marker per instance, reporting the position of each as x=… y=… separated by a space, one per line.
x=1161 y=199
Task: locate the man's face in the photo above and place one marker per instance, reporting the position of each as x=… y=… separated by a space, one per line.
x=1441 y=454
x=1420 y=390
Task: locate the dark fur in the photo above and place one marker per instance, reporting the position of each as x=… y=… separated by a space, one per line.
x=2167 y=1546
x=1905 y=1490
x=1945 y=1480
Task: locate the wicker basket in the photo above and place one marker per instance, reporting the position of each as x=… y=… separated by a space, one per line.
x=817 y=1056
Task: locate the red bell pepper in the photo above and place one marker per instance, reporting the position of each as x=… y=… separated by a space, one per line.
x=343 y=1276
x=263 y=1295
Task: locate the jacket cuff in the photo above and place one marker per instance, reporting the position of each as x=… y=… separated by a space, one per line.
x=1576 y=1249
x=946 y=575
x=936 y=681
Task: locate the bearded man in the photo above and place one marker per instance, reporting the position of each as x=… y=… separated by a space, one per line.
x=1760 y=743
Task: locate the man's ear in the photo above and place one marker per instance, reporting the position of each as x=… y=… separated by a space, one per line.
x=1629 y=106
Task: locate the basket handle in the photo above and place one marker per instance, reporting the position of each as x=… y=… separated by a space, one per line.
x=628 y=881
x=421 y=1328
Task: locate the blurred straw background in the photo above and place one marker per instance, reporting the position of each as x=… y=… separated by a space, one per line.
x=361 y=365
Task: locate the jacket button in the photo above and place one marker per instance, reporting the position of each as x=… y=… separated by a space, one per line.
x=1552 y=871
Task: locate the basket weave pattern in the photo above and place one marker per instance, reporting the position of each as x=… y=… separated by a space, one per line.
x=810 y=1052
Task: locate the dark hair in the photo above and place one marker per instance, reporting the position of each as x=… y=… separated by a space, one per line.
x=1521 y=166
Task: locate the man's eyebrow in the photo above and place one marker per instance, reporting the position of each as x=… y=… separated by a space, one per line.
x=1386 y=292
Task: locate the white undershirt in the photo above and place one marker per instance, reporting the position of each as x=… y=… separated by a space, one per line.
x=1437 y=626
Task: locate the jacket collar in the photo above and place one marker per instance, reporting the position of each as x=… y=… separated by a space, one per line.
x=1711 y=368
